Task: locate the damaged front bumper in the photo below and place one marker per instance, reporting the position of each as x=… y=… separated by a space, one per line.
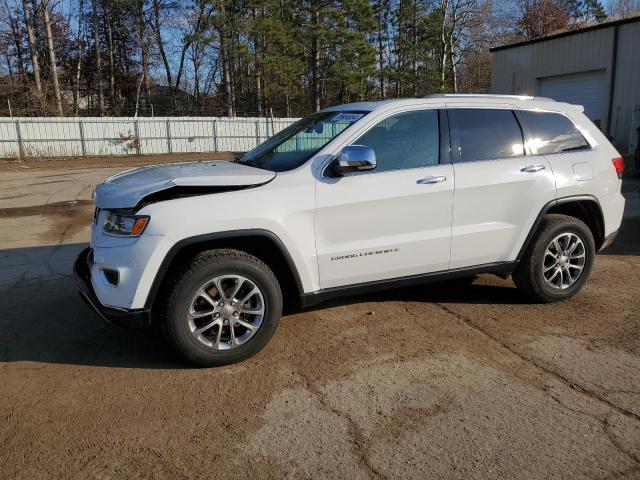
x=118 y=316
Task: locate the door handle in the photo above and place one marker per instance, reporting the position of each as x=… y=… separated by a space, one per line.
x=430 y=180
x=532 y=168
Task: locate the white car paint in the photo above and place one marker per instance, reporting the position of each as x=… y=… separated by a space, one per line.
x=482 y=213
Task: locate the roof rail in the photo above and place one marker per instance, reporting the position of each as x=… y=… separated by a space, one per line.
x=484 y=95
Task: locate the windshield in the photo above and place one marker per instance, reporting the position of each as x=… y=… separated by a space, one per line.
x=297 y=143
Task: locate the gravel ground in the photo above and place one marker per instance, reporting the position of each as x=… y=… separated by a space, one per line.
x=452 y=380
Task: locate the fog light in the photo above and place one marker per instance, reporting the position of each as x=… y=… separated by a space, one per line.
x=111 y=276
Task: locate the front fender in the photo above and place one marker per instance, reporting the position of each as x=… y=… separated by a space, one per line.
x=148 y=288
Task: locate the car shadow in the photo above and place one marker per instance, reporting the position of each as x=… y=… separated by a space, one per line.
x=628 y=240
x=43 y=318
x=462 y=291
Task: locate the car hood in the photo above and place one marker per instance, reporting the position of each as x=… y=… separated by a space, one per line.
x=129 y=188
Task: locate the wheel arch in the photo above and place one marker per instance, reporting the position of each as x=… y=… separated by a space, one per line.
x=263 y=244
x=583 y=207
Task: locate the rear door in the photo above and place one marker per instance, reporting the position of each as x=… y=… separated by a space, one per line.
x=573 y=160
x=394 y=221
x=499 y=189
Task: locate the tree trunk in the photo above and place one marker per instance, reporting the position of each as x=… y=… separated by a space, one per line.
x=315 y=61
x=144 y=49
x=52 y=57
x=381 y=25
x=17 y=40
x=156 y=20
x=414 y=47
x=7 y=57
x=234 y=68
x=187 y=41
x=444 y=43
x=257 y=68
x=183 y=54
x=452 y=60
x=227 y=77
x=226 y=67
x=96 y=41
x=76 y=91
x=195 y=60
x=400 y=51
x=108 y=23
x=259 y=92
x=33 y=47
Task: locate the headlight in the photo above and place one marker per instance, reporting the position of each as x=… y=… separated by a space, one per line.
x=125 y=224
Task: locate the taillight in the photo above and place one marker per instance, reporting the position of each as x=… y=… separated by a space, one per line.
x=618 y=164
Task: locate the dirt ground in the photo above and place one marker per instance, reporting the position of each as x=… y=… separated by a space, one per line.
x=451 y=380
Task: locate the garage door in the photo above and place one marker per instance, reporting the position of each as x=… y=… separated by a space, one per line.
x=586 y=88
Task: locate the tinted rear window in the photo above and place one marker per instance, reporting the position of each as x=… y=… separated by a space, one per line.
x=552 y=133
x=487 y=134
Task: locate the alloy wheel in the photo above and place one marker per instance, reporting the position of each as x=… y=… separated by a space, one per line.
x=564 y=260
x=226 y=312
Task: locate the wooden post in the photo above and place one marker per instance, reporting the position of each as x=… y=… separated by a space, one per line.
x=169 y=146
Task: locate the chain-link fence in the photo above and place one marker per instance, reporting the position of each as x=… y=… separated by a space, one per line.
x=83 y=136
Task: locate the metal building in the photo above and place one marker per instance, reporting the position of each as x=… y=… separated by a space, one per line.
x=597 y=66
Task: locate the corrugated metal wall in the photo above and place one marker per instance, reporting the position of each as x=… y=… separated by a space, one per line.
x=518 y=70
x=627 y=84
x=54 y=137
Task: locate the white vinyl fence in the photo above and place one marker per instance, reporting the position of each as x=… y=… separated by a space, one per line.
x=82 y=136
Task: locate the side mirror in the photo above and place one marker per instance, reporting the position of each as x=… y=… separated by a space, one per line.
x=354 y=158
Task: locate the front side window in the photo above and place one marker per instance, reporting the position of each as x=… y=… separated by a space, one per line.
x=404 y=140
x=297 y=143
x=549 y=133
x=486 y=134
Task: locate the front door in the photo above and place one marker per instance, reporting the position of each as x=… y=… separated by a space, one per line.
x=394 y=221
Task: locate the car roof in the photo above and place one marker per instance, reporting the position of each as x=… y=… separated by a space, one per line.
x=520 y=101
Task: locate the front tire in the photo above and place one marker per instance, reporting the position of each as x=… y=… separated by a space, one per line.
x=558 y=261
x=222 y=307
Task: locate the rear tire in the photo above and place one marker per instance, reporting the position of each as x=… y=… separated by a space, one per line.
x=205 y=315
x=558 y=260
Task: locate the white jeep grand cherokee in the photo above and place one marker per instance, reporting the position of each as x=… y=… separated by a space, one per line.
x=354 y=198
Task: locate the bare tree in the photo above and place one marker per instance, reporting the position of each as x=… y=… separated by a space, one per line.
x=225 y=51
x=76 y=92
x=197 y=25
x=52 y=57
x=144 y=48
x=16 y=36
x=96 y=42
x=542 y=17
x=624 y=8
x=380 y=37
x=33 y=47
x=315 y=60
x=108 y=24
x=159 y=41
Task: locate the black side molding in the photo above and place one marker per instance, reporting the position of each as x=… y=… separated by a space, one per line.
x=502 y=269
